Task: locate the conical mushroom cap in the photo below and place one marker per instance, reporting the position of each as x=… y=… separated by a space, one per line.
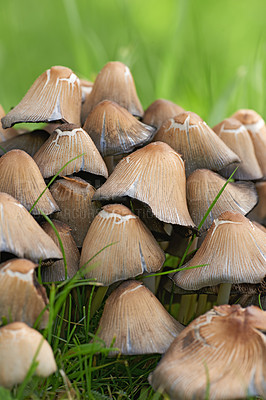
x=114 y=130
x=154 y=175
x=234 y=251
x=74 y=197
x=236 y=136
x=65 y=143
x=159 y=111
x=114 y=82
x=56 y=271
x=259 y=212
x=18 y=346
x=20 y=234
x=30 y=142
x=55 y=95
x=203 y=186
x=22 y=298
x=198 y=145
x=137 y=320
x=257 y=130
x=220 y=355
x=5 y=134
x=21 y=178
x=132 y=248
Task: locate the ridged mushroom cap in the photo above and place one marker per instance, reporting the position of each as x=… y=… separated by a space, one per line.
x=159 y=111
x=21 y=178
x=22 y=298
x=198 y=145
x=137 y=320
x=154 y=175
x=220 y=355
x=114 y=82
x=55 y=95
x=18 y=346
x=234 y=251
x=131 y=251
x=234 y=134
x=21 y=235
x=5 y=134
x=69 y=141
x=30 y=142
x=259 y=212
x=114 y=130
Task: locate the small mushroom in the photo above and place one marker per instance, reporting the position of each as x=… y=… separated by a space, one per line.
x=159 y=111
x=30 y=142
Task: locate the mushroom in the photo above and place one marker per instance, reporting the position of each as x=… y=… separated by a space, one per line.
x=159 y=111
x=259 y=212
x=30 y=142
x=55 y=95
x=5 y=134
x=137 y=321
x=220 y=355
x=19 y=345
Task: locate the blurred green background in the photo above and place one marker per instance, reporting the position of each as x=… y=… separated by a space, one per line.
x=206 y=55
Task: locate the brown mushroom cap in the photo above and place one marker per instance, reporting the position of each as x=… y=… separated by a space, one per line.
x=21 y=178
x=236 y=136
x=114 y=82
x=18 y=345
x=30 y=142
x=5 y=134
x=55 y=95
x=234 y=251
x=20 y=234
x=69 y=141
x=137 y=320
x=22 y=298
x=221 y=355
x=259 y=212
x=154 y=175
x=114 y=130
x=159 y=111
x=132 y=248
x=198 y=145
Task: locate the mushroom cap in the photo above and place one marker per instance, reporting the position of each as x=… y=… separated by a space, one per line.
x=5 y=134
x=30 y=142
x=132 y=248
x=234 y=251
x=21 y=178
x=154 y=175
x=20 y=234
x=18 y=346
x=114 y=130
x=198 y=145
x=159 y=111
x=259 y=212
x=22 y=298
x=74 y=197
x=234 y=134
x=257 y=130
x=69 y=141
x=55 y=95
x=203 y=186
x=150 y=331
x=114 y=82
x=221 y=353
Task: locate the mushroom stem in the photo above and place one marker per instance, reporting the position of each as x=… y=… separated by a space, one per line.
x=184 y=307
x=202 y=303
x=224 y=293
x=192 y=308
x=98 y=299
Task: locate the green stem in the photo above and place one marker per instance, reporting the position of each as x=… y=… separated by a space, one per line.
x=224 y=293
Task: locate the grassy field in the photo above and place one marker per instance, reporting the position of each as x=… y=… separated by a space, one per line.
x=207 y=56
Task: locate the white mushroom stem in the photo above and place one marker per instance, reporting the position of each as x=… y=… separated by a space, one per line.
x=224 y=293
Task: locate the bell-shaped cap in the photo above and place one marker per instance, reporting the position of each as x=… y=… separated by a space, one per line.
x=220 y=355
x=55 y=95
x=114 y=130
x=257 y=130
x=18 y=346
x=21 y=178
x=204 y=185
x=114 y=82
x=198 y=145
x=137 y=320
x=159 y=111
x=234 y=134
x=259 y=212
x=74 y=197
x=131 y=251
x=56 y=271
x=29 y=142
x=67 y=142
x=21 y=235
x=22 y=297
x=154 y=175
x=5 y=134
x=233 y=251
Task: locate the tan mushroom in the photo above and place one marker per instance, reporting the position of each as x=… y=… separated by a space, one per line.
x=5 y=134
x=30 y=142
x=159 y=111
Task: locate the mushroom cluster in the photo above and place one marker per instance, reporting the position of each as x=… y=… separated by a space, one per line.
x=126 y=189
